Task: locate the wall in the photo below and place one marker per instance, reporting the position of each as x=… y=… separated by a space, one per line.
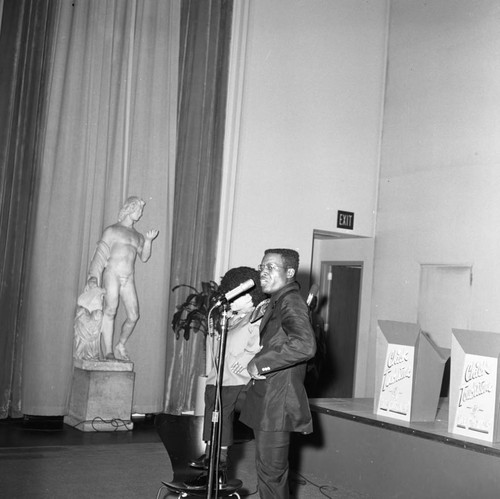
x=308 y=133
x=440 y=171
x=313 y=87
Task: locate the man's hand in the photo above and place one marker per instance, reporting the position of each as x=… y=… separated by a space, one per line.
x=253 y=371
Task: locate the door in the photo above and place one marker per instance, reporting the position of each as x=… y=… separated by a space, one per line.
x=340 y=286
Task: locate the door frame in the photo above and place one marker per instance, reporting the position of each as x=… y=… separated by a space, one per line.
x=324 y=289
x=345 y=249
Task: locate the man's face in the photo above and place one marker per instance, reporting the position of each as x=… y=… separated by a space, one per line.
x=273 y=275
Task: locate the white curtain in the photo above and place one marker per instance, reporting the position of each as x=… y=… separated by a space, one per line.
x=110 y=133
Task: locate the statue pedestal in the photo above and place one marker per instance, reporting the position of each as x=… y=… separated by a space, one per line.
x=101 y=396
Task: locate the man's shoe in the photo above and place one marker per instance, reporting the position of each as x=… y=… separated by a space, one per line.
x=200 y=464
x=201 y=481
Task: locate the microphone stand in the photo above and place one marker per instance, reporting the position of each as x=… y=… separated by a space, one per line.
x=213 y=467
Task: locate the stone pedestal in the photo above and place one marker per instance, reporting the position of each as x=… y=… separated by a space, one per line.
x=101 y=396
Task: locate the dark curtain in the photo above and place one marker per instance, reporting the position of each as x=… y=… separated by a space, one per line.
x=203 y=70
x=25 y=47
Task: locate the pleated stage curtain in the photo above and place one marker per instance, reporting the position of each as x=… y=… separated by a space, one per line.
x=98 y=96
x=109 y=131
x=203 y=74
x=25 y=54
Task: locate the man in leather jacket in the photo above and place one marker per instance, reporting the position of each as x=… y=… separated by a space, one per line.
x=276 y=402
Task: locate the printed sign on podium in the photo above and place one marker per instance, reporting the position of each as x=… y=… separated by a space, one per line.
x=474 y=385
x=409 y=372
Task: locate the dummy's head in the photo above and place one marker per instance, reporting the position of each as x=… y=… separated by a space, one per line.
x=236 y=276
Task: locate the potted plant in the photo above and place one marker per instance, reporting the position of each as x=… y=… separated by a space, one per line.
x=192 y=318
x=192 y=314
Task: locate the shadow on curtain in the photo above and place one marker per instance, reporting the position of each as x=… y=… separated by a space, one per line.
x=204 y=58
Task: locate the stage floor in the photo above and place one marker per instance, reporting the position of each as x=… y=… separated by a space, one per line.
x=385 y=458
x=361 y=410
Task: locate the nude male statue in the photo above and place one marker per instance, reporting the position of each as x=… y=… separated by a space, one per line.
x=112 y=268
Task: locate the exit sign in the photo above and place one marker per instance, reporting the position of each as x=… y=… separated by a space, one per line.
x=345 y=220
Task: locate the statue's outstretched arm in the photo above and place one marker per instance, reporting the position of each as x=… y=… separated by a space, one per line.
x=145 y=251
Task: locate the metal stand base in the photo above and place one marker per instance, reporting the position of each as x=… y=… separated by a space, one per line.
x=229 y=490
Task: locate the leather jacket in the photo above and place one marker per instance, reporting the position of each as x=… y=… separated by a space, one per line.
x=279 y=402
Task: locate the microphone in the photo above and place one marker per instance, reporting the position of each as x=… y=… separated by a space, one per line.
x=312 y=293
x=233 y=293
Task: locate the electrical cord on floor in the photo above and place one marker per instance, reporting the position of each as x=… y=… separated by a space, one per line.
x=116 y=423
x=323 y=489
